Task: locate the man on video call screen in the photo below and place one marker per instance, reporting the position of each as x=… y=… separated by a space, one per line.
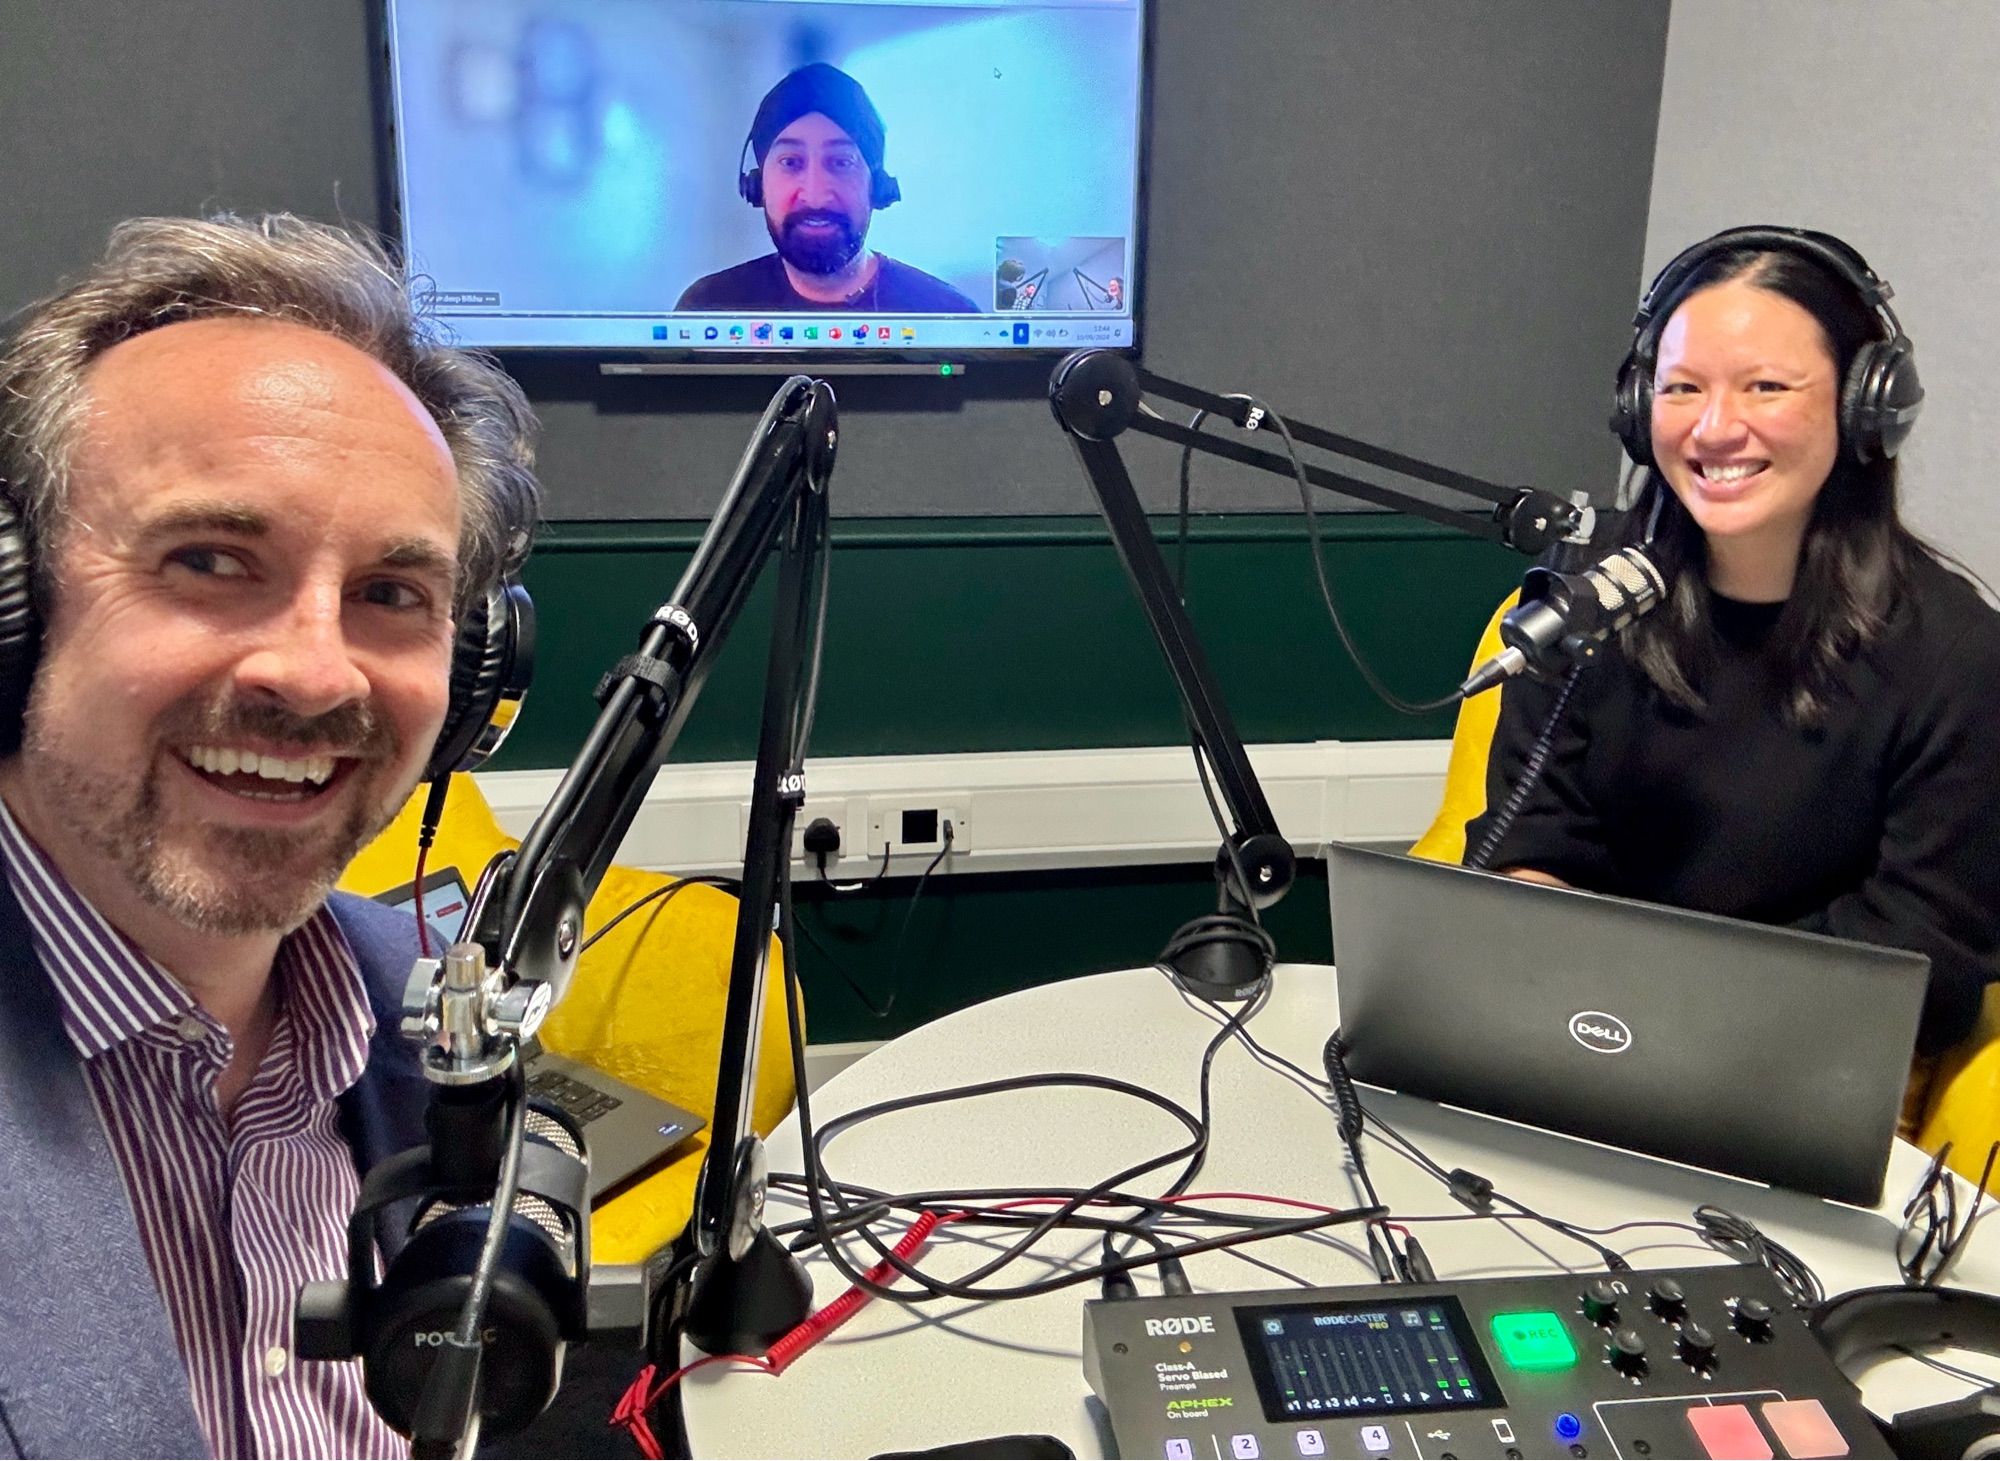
x=818 y=145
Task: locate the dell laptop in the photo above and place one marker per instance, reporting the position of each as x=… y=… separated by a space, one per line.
x=1757 y=1051
x=626 y=1131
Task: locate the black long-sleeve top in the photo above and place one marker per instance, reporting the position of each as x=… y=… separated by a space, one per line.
x=1882 y=825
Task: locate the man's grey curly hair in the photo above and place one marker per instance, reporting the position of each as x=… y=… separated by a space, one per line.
x=158 y=271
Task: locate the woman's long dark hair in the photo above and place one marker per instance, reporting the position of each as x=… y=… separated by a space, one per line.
x=1857 y=556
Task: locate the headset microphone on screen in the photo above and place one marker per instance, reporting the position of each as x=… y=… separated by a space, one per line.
x=492 y=658
x=1880 y=396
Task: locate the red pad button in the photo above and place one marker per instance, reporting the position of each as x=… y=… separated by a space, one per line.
x=1804 y=1428
x=1728 y=1433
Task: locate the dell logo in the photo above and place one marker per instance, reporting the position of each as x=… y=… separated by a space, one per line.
x=1595 y=1030
x=1192 y=1324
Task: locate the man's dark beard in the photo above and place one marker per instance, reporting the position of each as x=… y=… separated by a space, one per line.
x=827 y=253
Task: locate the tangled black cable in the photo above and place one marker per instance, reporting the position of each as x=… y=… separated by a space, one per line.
x=1739 y=1238
x=1468 y=1187
x=840 y=1210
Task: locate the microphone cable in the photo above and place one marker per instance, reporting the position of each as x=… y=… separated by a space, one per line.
x=1392 y=1261
x=1531 y=774
x=454 y=1377
x=1369 y=677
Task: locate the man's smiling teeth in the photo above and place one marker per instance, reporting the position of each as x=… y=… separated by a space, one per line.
x=1733 y=472
x=226 y=761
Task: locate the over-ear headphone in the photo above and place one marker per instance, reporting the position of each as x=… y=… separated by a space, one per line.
x=1880 y=395
x=1856 y=1325
x=883 y=189
x=492 y=658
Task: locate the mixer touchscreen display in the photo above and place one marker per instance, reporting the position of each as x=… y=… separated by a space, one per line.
x=1365 y=1359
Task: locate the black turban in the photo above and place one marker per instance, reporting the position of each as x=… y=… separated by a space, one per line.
x=829 y=91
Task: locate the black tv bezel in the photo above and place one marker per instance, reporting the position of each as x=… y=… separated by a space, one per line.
x=732 y=359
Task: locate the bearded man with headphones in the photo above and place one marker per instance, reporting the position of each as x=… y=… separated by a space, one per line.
x=256 y=537
x=1803 y=732
x=818 y=145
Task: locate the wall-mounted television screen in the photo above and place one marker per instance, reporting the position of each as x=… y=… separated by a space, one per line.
x=707 y=178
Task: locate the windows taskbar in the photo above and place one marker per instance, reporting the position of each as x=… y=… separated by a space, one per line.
x=855 y=334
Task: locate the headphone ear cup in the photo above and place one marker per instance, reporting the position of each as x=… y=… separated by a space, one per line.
x=1880 y=399
x=492 y=661
x=20 y=625
x=1858 y=436
x=1632 y=409
x=883 y=189
x=751 y=185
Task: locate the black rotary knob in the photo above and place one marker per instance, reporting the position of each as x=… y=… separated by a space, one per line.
x=1696 y=1347
x=1627 y=1353
x=1668 y=1299
x=1753 y=1320
x=1600 y=1303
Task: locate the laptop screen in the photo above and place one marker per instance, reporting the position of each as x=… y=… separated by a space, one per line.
x=1731 y=1045
x=446 y=902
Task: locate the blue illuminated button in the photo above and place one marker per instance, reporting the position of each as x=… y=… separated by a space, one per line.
x=1534 y=1340
x=1568 y=1427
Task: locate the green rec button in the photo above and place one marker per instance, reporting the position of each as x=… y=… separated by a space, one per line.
x=1535 y=1340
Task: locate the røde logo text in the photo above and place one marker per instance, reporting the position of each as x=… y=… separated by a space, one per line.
x=1192 y=1324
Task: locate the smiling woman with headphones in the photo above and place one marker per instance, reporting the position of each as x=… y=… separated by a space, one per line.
x=1807 y=731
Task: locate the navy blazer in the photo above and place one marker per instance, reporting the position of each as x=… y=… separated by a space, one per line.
x=88 y=1364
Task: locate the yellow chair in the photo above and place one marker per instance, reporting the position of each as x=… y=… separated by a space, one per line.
x=646 y=1004
x=1962 y=1103
x=1465 y=773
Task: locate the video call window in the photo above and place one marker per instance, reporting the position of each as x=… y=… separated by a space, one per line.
x=773 y=175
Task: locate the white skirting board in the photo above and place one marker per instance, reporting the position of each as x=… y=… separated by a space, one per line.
x=1017 y=811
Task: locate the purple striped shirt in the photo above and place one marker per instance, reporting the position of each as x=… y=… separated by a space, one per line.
x=235 y=1213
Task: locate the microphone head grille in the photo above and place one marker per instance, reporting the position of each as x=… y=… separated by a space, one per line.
x=542 y=1213
x=543 y=1126
x=1627 y=580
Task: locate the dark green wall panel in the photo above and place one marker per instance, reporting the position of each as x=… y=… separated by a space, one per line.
x=1022 y=634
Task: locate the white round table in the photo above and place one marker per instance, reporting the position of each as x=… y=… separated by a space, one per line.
x=902 y=1377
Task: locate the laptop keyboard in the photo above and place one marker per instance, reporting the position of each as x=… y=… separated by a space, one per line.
x=584 y=1104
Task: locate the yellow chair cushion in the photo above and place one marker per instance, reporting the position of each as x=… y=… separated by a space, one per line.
x=1465 y=773
x=1962 y=1103
x=646 y=1004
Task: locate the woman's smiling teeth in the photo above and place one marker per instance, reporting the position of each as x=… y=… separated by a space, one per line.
x=1728 y=471
x=253 y=775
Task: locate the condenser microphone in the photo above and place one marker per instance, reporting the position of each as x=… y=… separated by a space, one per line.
x=1570 y=614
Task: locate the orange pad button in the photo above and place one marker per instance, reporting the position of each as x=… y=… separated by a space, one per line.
x=1804 y=1428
